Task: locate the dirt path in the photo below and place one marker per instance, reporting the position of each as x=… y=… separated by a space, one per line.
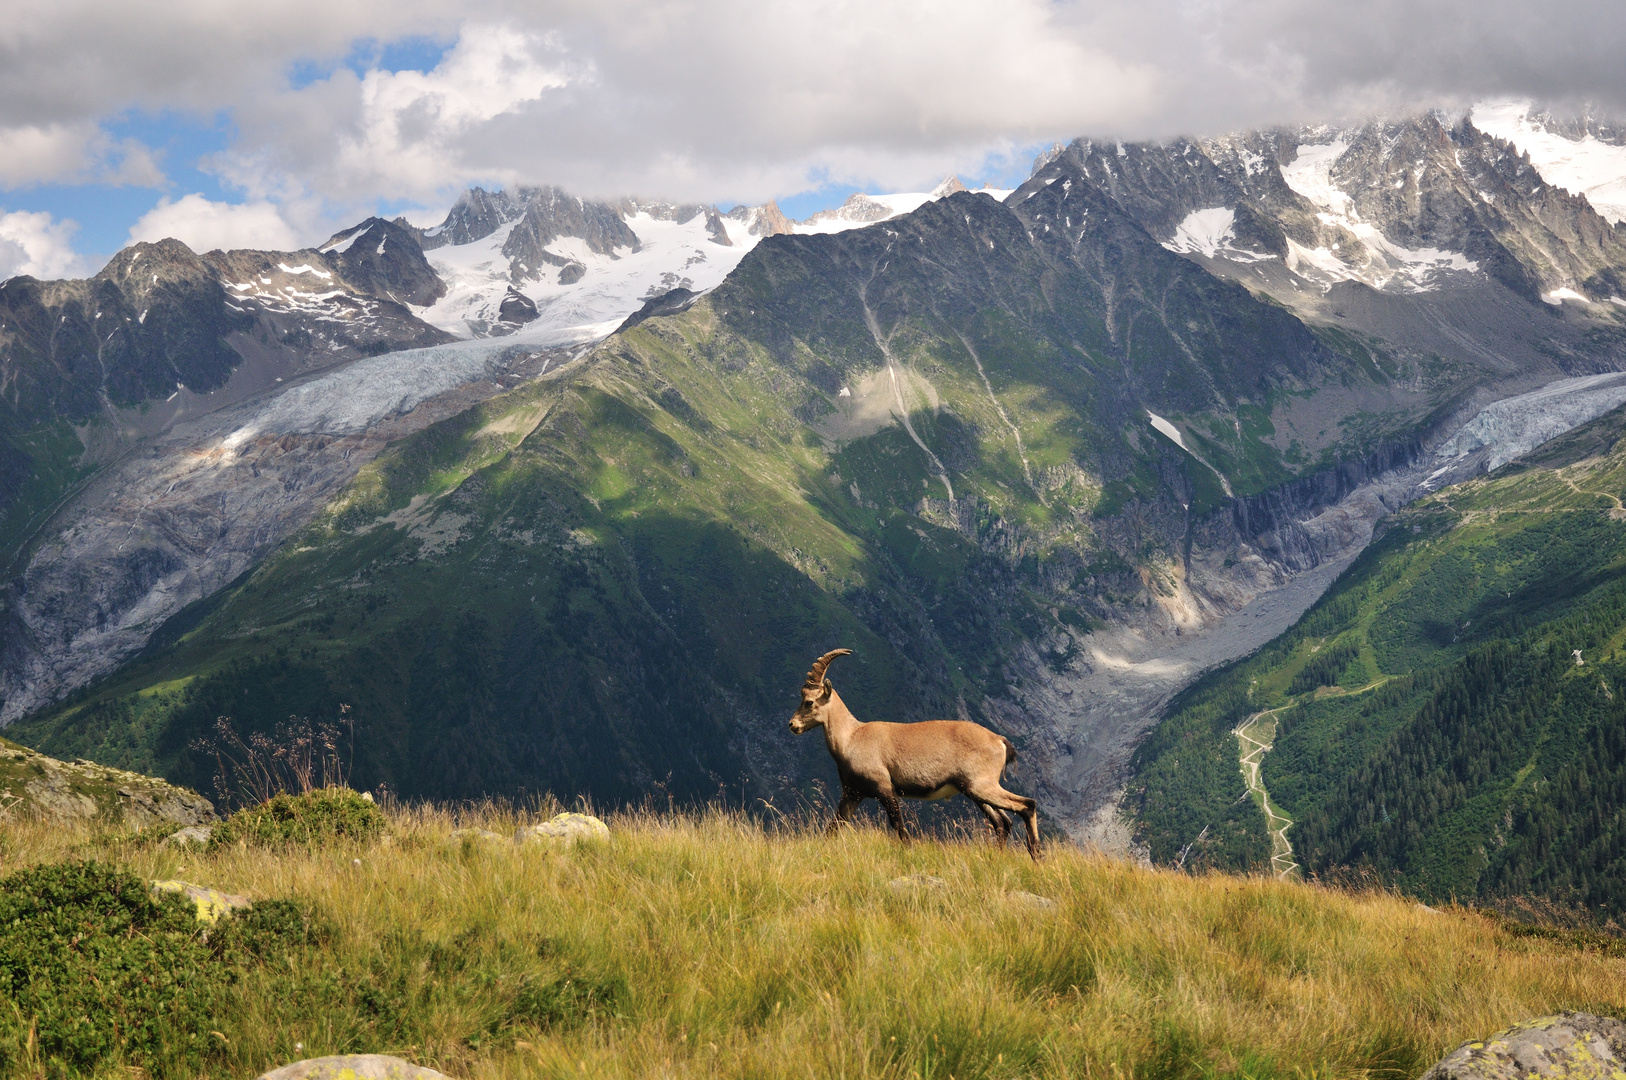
x=1599 y=494
x=1254 y=737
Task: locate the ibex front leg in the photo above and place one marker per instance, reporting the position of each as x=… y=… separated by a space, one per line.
x=844 y=811
x=894 y=811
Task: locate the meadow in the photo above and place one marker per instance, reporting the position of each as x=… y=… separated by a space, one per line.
x=715 y=944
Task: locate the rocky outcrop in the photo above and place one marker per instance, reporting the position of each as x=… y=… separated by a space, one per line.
x=551 y=214
x=384 y=259
x=517 y=308
x=476 y=214
x=566 y=829
x=37 y=786
x=764 y=220
x=1567 y=1046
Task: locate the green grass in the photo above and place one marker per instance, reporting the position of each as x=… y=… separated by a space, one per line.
x=704 y=945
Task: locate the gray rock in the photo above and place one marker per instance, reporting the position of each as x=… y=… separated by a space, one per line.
x=563 y=829
x=210 y=904
x=353 y=1067
x=1034 y=900
x=192 y=834
x=1571 y=1045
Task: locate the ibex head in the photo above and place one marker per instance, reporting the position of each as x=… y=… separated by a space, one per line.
x=816 y=693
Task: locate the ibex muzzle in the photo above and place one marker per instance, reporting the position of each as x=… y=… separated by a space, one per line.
x=929 y=760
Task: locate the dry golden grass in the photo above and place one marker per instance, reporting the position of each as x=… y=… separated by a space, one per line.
x=704 y=946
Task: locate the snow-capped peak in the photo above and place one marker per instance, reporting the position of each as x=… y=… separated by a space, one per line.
x=1584 y=165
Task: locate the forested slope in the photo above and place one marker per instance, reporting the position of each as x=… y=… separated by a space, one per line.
x=1450 y=714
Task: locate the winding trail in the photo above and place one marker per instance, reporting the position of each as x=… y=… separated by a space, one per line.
x=1250 y=733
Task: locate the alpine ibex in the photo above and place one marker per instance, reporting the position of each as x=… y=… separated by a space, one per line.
x=932 y=759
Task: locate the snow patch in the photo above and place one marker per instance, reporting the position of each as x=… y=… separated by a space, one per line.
x=1558 y=296
x=342 y=244
x=1168 y=429
x=1211 y=232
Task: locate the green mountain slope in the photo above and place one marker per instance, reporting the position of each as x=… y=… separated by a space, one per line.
x=927 y=440
x=1430 y=718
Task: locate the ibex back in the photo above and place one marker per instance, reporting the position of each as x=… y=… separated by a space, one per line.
x=929 y=760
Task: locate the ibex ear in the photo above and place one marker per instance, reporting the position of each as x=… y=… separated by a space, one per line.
x=825 y=694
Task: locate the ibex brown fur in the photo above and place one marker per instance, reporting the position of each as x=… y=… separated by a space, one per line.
x=932 y=759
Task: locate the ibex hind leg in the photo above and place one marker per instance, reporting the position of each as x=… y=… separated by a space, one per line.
x=1024 y=807
x=997 y=821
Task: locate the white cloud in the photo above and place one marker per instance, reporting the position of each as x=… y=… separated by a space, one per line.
x=71 y=153
x=739 y=99
x=203 y=225
x=35 y=243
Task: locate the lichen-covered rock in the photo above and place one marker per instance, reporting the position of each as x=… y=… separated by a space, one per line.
x=564 y=829
x=211 y=904
x=36 y=785
x=1569 y=1046
x=353 y=1067
x=192 y=834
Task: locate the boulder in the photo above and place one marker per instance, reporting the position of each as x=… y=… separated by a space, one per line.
x=192 y=834
x=1570 y=1045
x=563 y=829
x=211 y=904
x=353 y=1067
x=1033 y=900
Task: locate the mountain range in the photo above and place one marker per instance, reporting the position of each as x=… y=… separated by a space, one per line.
x=1041 y=456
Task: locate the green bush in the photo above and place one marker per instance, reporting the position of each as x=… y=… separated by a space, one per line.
x=312 y=819
x=96 y=969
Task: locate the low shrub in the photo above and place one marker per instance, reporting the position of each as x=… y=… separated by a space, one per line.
x=96 y=969
x=311 y=819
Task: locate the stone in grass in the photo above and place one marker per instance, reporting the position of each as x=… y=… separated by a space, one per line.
x=353 y=1067
x=563 y=829
x=1033 y=900
x=1571 y=1046
x=192 y=834
x=211 y=904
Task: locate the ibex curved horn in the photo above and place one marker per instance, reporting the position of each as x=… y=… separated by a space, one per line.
x=815 y=678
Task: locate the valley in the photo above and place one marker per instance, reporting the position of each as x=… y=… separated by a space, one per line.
x=1042 y=457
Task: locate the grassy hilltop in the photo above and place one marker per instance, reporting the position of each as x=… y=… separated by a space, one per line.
x=704 y=946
